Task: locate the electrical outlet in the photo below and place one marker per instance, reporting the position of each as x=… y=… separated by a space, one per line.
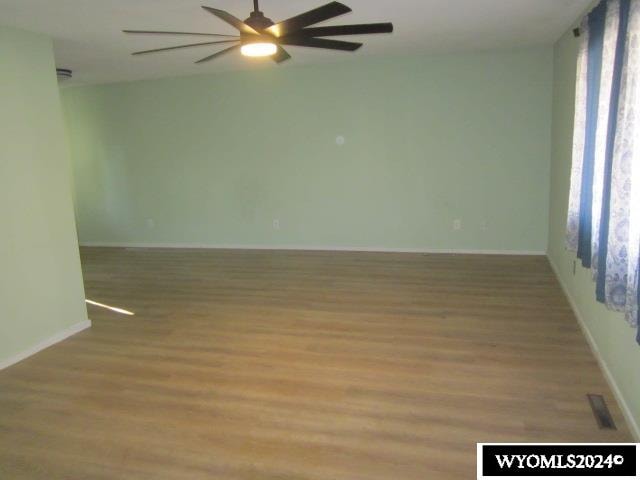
x=150 y=223
x=484 y=226
x=457 y=224
x=276 y=224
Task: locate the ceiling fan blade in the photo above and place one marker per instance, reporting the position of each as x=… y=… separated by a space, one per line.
x=363 y=29
x=182 y=46
x=320 y=14
x=321 y=43
x=178 y=33
x=231 y=20
x=281 y=55
x=217 y=54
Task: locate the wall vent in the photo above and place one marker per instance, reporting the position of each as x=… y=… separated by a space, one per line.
x=63 y=74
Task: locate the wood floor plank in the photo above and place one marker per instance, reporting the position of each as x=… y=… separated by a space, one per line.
x=301 y=365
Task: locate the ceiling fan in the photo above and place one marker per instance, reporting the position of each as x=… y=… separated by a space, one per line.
x=261 y=37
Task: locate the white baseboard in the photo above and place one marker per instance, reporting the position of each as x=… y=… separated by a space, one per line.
x=626 y=411
x=58 y=337
x=310 y=248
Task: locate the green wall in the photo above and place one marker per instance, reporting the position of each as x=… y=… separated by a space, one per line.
x=612 y=336
x=41 y=292
x=214 y=160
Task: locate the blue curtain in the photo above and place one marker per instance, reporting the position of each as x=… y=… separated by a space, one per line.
x=603 y=225
x=594 y=72
x=611 y=133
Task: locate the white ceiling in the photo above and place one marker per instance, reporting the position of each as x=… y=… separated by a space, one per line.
x=87 y=33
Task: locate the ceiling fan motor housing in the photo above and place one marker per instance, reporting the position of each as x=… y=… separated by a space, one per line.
x=258 y=21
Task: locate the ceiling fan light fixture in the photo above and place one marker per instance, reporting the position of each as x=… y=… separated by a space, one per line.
x=259 y=36
x=259 y=49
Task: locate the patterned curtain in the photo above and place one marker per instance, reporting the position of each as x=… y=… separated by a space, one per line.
x=603 y=225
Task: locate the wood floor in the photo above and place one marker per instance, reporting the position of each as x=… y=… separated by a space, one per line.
x=301 y=365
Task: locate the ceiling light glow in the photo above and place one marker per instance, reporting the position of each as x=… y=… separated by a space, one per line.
x=258 y=49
